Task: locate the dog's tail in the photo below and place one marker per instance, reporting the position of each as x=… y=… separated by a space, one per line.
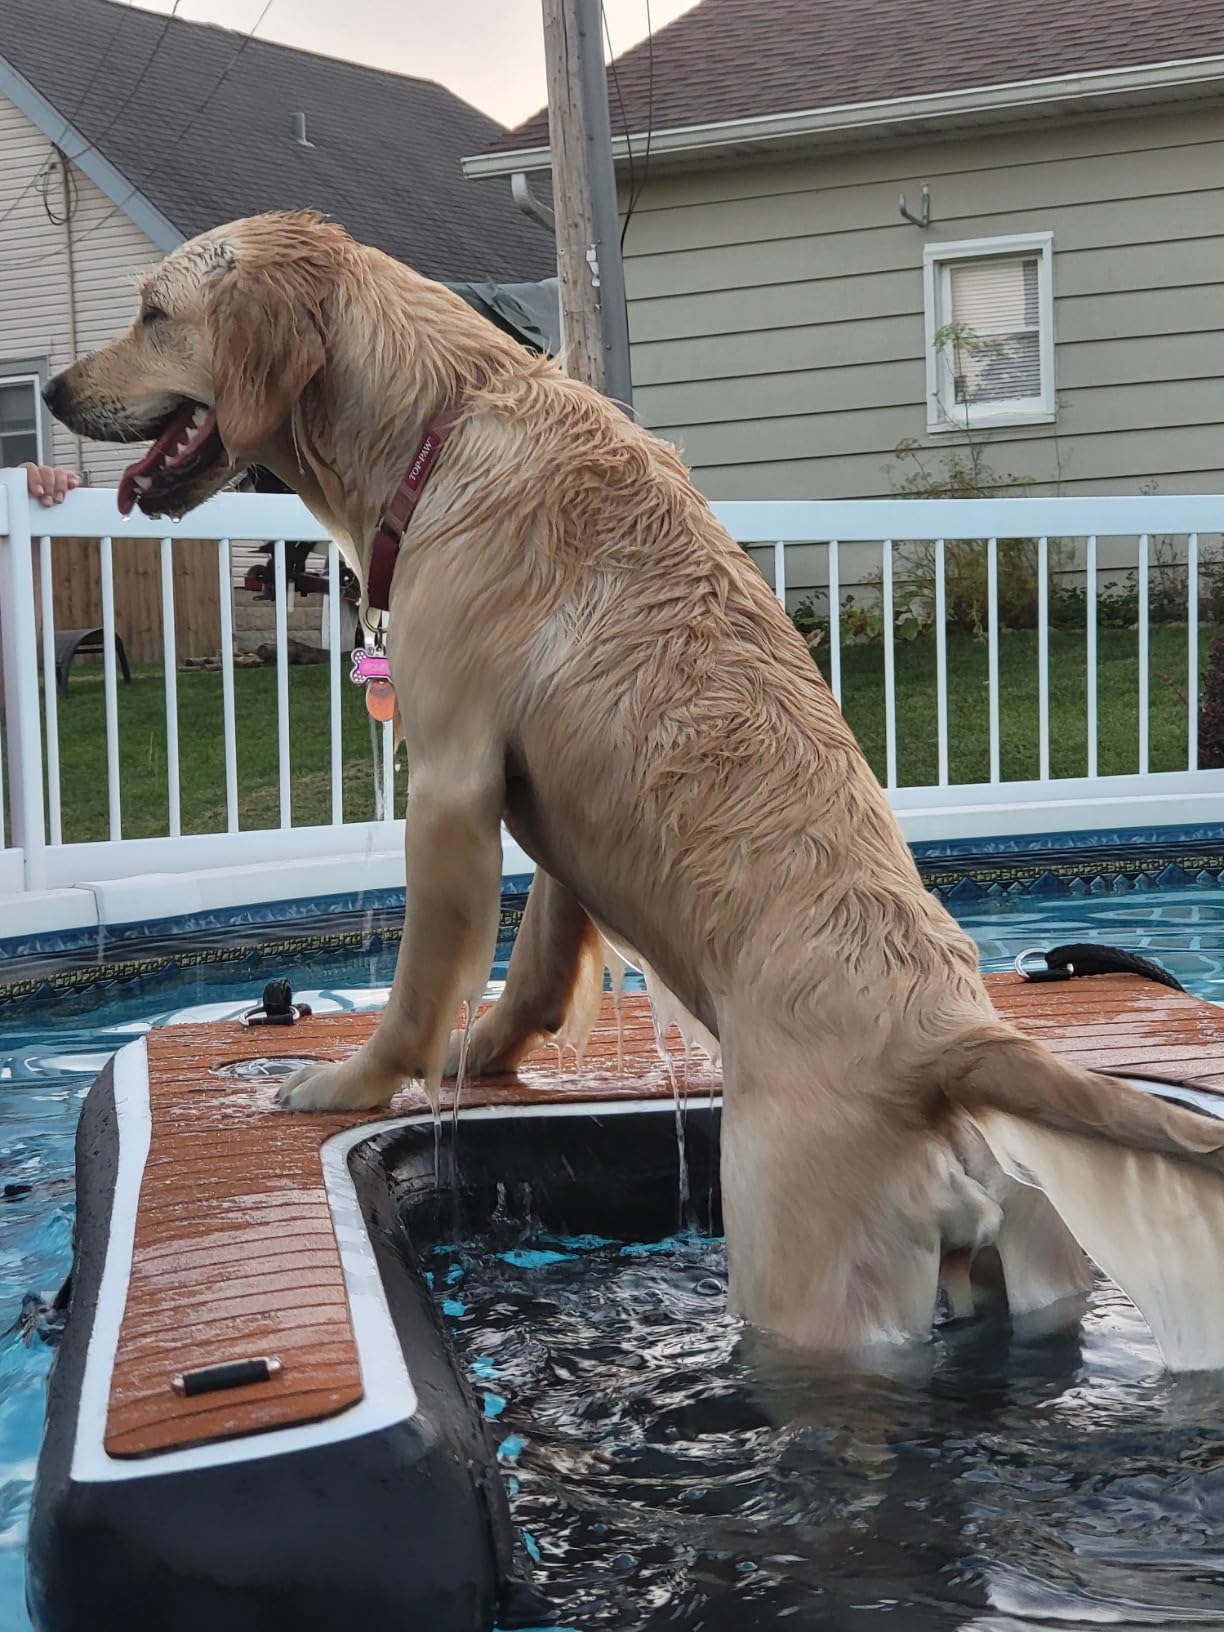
x=995 y=1068
x=1138 y=1181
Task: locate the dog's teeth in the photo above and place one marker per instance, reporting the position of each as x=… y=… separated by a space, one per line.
x=144 y=483
x=200 y=415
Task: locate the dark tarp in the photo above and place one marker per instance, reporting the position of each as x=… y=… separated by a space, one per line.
x=531 y=312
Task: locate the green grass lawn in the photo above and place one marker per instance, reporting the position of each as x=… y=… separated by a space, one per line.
x=143 y=738
x=968 y=704
x=142 y=751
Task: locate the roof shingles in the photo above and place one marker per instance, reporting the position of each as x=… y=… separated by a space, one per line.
x=200 y=121
x=738 y=59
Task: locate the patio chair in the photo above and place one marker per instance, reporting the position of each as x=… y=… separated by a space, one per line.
x=68 y=642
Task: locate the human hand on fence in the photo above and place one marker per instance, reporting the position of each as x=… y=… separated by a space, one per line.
x=49 y=484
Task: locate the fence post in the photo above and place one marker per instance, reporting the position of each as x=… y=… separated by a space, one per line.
x=22 y=714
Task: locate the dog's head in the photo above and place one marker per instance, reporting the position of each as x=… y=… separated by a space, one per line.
x=228 y=338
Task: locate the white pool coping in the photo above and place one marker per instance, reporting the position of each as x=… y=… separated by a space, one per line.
x=154 y=896
x=368 y=859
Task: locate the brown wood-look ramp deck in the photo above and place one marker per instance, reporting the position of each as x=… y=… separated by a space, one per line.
x=235 y=1255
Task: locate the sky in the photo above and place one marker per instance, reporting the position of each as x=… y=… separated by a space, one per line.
x=490 y=52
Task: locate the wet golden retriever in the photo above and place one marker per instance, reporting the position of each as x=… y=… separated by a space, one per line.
x=582 y=651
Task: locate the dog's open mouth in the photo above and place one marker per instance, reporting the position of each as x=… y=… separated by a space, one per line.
x=188 y=445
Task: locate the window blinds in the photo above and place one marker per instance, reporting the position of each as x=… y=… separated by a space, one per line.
x=996 y=341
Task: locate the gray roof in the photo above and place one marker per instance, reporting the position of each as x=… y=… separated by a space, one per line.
x=200 y=121
x=739 y=59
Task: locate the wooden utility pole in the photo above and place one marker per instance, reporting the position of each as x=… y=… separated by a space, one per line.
x=592 y=278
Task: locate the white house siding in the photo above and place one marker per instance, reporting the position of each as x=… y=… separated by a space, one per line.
x=777 y=310
x=48 y=319
x=39 y=316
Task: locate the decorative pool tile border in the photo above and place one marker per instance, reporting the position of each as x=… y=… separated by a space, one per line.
x=375 y=907
x=79 y=959
x=960 y=872
x=1060 y=864
x=115 y=938
x=1137 y=839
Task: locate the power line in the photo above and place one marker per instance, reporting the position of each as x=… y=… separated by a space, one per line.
x=139 y=85
x=635 y=184
x=71 y=118
x=650 y=69
x=167 y=153
x=72 y=193
x=616 y=85
x=199 y=109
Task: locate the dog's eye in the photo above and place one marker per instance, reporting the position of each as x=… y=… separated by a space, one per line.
x=152 y=314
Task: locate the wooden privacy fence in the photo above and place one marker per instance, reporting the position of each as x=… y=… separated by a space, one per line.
x=76 y=581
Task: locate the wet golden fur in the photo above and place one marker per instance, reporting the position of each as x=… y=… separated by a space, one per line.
x=581 y=650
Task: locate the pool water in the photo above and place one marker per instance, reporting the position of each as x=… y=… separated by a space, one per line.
x=665 y=1478
x=662 y=1476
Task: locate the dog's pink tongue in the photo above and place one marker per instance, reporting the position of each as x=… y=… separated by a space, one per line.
x=128 y=491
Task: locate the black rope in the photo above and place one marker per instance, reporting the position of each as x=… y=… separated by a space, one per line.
x=1069 y=962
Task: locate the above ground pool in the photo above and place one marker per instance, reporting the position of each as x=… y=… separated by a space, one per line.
x=659 y=1476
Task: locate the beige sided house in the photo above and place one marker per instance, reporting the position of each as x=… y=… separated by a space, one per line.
x=124 y=131
x=869 y=222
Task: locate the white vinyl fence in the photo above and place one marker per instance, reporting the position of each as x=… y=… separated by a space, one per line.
x=945 y=808
x=35 y=857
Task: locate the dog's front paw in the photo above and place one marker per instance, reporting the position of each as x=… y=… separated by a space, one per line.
x=490 y=1052
x=332 y=1088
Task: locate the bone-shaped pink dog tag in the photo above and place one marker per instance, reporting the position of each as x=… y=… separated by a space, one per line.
x=371 y=670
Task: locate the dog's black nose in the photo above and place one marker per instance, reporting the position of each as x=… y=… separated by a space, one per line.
x=53 y=394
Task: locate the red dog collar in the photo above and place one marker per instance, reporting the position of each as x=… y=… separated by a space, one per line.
x=384 y=552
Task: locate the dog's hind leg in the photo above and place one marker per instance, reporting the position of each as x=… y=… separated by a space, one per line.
x=556 y=962
x=452 y=840
x=969 y=1218
x=831 y=1211
x=1042 y=1265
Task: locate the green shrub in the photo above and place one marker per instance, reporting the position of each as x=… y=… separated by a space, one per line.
x=857 y=625
x=1211 y=711
x=962 y=473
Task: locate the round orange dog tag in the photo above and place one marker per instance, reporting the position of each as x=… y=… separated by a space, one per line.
x=380 y=699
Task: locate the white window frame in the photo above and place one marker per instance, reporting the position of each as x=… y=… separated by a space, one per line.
x=944 y=413
x=25 y=377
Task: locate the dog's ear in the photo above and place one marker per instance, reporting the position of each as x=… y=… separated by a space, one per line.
x=267 y=346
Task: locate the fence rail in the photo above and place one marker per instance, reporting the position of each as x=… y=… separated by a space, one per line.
x=801 y=546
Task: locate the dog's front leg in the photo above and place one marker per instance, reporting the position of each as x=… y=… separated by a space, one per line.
x=452 y=837
x=556 y=949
